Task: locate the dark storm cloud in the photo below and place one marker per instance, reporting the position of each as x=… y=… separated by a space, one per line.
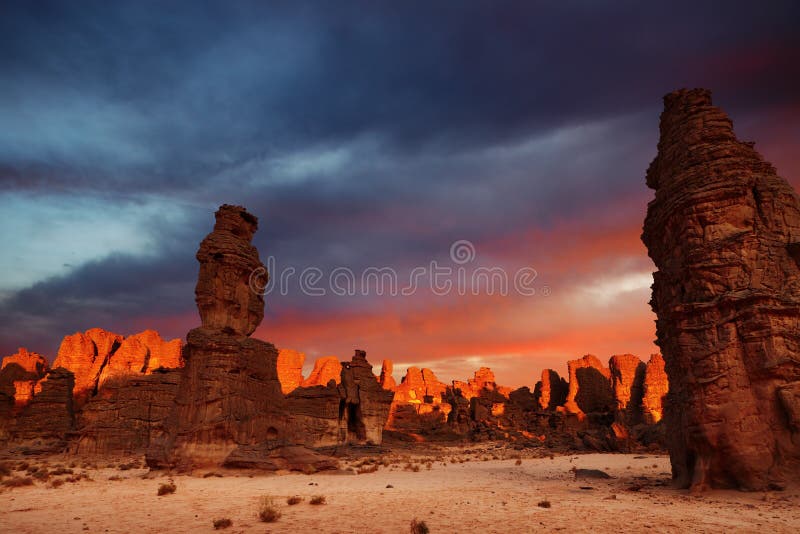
x=361 y=133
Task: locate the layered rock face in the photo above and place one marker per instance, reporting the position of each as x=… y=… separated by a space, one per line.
x=551 y=390
x=655 y=388
x=724 y=233
x=325 y=369
x=290 y=369
x=418 y=400
x=128 y=413
x=50 y=413
x=228 y=260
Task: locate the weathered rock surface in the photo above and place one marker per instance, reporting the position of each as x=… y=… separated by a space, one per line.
x=128 y=413
x=589 y=387
x=86 y=354
x=655 y=389
x=49 y=415
x=418 y=401
x=227 y=262
x=325 y=369
x=290 y=369
x=141 y=353
x=724 y=233
x=551 y=390
x=627 y=384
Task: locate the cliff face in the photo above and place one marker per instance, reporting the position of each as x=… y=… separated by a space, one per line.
x=724 y=233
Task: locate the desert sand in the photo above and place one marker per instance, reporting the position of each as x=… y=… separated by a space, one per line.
x=466 y=489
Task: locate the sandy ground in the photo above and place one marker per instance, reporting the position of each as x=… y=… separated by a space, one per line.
x=463 y=490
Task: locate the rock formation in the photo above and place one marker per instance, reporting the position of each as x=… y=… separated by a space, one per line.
x=418 y=400
x=85 y=354
x=551 y=390
x=724 y=233
x=627 y=385
x=290 y=369
x=655 y=389
x=228 y=261
x=482 y=379
x=229 y=407
x=325 y=369
x=128 y=413
x=50 y=414
x=387 y=380
x=95 y=356
x=19 y=380
x=365 y=405
x=589 y=387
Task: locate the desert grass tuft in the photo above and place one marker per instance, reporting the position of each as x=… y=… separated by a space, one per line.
x=224 y=522
x=167 y=488
x=317 y=499
x=419 y=527
x=267 y=511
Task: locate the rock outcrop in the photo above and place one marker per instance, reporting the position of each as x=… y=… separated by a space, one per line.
x=365 y=404
x=589 y=387
x=387 y=380
x=655 y=389
x=86 y=354
x=551 y=391
x=49 y=415
x=325 y=369
x=19 y=380
x=290 y=369
x=128 y=414
x=228 y=264
x=627 y=385
x=724 y=233
x=96 y=356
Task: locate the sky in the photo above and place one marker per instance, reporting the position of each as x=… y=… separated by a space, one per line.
x=511 y=137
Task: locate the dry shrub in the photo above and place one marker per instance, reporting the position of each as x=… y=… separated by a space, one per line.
x=167 y=488
x=267 y=511
x=212 y=474
x=419 y=527
x=115 y=477
x=518 y=462
x=56 y=483
x=18 y=482
x=294 y=500
x=543 y=504
x=317 y=499
x=5 y=470
x=224 y=522
x=61 y=471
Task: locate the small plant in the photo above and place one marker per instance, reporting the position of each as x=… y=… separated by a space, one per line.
x=41 y=476
x=212 y=474
x=61 y=471
x=56 y=483
x=167 y=488
x=219 y=524
x=317 y=499
x=18 y=482
x=518 y=462
x=419 y=527
x=267 y=511
x=294 y=500
x=5 y=470
x=115 y=478
x=543 y=504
